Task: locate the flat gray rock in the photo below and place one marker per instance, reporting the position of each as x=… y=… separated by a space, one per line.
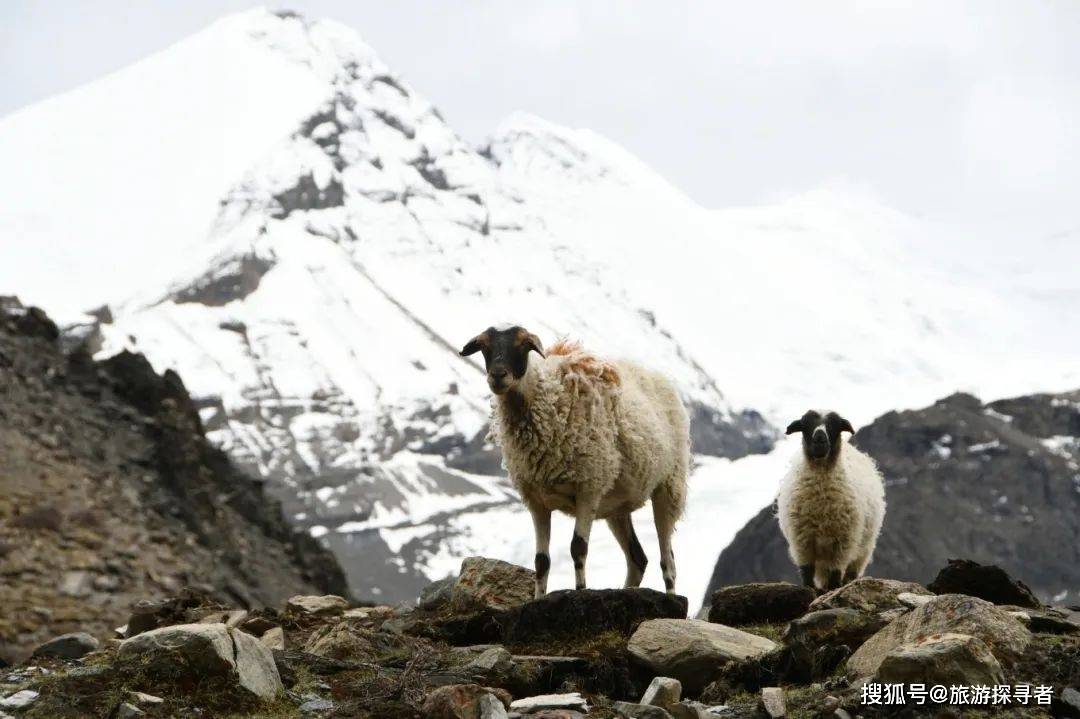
x=692 y=650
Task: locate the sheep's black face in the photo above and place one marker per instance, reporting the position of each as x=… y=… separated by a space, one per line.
x=506 y=355
x=821 y=434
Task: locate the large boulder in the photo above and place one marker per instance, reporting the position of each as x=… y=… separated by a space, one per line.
x=868 y=594
x=68 y=646
x=491 y=584
x=208 y=650
x=1005 y=635
x=948 y=659
x=585 y=612
x=759 y=603
x=963 y=576
x=691 y=650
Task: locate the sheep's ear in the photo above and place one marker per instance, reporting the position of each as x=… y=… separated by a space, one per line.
x=794 y=427
x=474 y=345
x=533 y=342
x=845 y=426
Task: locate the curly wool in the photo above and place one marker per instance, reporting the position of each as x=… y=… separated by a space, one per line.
x=831 y=516
x=581 y=423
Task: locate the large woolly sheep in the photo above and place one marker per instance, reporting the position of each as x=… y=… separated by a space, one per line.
x=831 y=503
x=590 y=438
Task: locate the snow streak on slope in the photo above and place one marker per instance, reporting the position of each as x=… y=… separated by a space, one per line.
x=320 y=320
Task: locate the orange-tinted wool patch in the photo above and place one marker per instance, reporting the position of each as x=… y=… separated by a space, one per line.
x=564 y=347
x=582 y=363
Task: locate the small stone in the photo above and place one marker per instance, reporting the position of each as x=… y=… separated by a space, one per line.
x=316 y=606
x=494 y=660
x=274 y=638
x=19 y=700
x=772 y=700
x=691 y=710
x=529 y=705
x=490 y=707
x=662 y=692
x=68 y=646
x=1068 y=704
x=628 y=710
x=76 y=584
x=129 y=711
x=147 y=699
x=313 y=704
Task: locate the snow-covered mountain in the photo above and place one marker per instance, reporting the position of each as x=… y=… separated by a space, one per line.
x=271 y=211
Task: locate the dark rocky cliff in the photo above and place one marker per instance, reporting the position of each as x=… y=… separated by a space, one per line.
x=109 y=492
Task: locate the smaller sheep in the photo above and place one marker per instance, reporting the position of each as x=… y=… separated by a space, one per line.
x=830 y=504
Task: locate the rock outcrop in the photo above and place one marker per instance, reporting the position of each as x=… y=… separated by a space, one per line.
x=110 y=493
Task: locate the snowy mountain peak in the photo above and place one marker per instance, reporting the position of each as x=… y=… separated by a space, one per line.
x=316 y=303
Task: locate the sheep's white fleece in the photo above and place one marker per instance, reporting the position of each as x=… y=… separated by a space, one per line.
x=831 y=517
x=584 y=425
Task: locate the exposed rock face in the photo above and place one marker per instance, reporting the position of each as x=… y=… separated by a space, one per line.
x=962 y=576
x=232 y=280
x=208 y=650
x=1005 y=636
x=998 y=482
x=692 y=650
x=949 y=659
x=757 y=603
x=109 y=494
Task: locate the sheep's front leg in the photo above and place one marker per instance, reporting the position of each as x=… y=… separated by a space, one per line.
x=584 y=512
x=542 y=528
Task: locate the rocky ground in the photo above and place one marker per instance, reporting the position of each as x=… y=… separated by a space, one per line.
x=109 y=493
x=478 y=647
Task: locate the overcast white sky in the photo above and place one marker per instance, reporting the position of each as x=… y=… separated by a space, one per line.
x=962 y=112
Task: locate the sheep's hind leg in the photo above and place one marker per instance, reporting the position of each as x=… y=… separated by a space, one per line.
x=542 y=528
x=806 y=572
x=622 y=526
x=584 y=512
x=664 y=514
